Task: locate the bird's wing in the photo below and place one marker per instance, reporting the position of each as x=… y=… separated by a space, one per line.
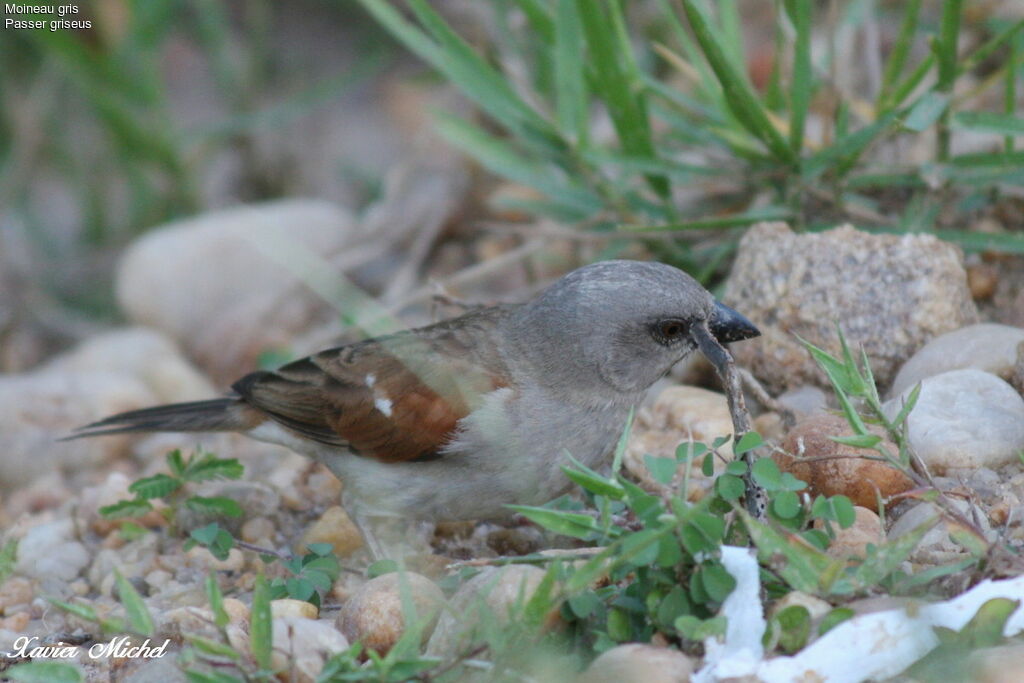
x=396 y=398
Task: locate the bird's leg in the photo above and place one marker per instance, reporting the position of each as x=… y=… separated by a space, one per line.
x=374 y=545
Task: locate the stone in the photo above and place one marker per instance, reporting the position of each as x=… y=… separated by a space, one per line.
x=47 y=552
x=964 y=418
x=201 y=558
x=304 y=646
x=494 y=593
x=287 y=607
x=985 y=346
x=15 y=592
x=830 y=468
x=804 y=400
x=936 y=541
x=256 y=529
x=374 y=613
x=1002 y=664
x=890 y=293
x=853 y=542
x=109 y=373
x=144 y=354
x=639 y=663
x=158 y=670
x=193 y=280
x=333 y=527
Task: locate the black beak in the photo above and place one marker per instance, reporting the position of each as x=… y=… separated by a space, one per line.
x=729 y=326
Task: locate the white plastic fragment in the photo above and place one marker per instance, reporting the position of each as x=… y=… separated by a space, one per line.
x=871 y=646
x=741 y=651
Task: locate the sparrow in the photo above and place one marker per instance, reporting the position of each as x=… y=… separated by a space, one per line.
x=458 y=419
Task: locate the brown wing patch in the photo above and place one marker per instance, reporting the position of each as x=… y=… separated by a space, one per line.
x=395 y=399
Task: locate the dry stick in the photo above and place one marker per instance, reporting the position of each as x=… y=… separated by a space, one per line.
x=754 y=497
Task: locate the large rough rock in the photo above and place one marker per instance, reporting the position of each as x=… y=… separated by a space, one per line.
x=211 y=284
x=889 y=293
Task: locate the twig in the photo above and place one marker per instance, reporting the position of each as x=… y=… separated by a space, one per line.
x=754 y=496
x=536 y=558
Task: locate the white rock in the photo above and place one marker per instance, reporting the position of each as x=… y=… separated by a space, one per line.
x=306 y=644
x=114 y=372
x=142 y=353
x=47 y=551
x=985 y=346
x=964 y=418
x=209 y=283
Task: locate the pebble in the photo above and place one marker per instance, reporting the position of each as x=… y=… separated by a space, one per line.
x=964 y=418
x=47 y=552
x=203 y=559
x=14 y=592
x=491 y=595
x=838 y=470
x=797 y=285
x=333 y=527
x=936 y=544
x=374 y=614
x=639 y=663
x=985 y=346
x=287 y=607
x=853 y=542
x=304 y=646
x=804 y=400
x=256 y=529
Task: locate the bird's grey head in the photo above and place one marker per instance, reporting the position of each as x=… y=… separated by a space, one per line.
x=618 y=326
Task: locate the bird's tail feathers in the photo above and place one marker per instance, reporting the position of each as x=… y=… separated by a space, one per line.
x=215 y=415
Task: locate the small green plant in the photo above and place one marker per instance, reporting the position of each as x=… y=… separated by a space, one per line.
x=311 y=575
x=174 y=489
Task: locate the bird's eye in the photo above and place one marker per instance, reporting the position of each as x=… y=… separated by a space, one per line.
x=670 y=330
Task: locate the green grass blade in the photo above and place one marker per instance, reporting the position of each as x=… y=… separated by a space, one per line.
x=945 y=48
x=989 y=122
x=900 y=49
x=501 y=158
x=732 y=33
x=1010 y=91
x=845 y=151
x=444 y=50
x=800 y=89
x=972 y=60
x=139 y=619
x=614 y=76
x=261 y=631
x=571 y=101
x=739 y=95
x=903 y=90
x=715 y=222
x=539 y=16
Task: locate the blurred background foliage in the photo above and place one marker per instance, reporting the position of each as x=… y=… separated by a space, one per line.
x=675 y=122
